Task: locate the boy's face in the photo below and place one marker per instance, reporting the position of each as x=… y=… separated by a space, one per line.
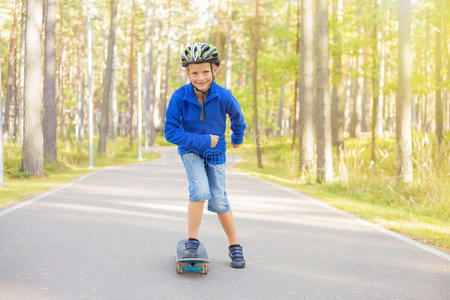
x=200 y=75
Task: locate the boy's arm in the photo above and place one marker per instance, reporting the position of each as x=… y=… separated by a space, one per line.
x=174 y=133
x=237 y=121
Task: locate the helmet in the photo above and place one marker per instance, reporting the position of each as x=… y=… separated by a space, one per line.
x=200 y=53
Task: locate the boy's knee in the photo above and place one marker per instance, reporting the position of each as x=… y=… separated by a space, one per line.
x=199 y=191
x=220 y=205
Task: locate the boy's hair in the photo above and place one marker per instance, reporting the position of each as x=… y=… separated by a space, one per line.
x=200 y=53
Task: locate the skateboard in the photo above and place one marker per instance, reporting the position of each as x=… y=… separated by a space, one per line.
x=198 y=264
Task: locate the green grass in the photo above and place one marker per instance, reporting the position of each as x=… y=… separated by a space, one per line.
x=420 y=210
x=73 y=162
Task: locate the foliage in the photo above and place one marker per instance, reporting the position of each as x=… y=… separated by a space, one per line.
x=372 y=193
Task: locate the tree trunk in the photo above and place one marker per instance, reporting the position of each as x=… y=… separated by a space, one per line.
x=281 y=102
x=104 y=125
x=381 y=99
x=255 y=82
x=355 y=120
x=115 y=116
x=150 y=94
x=50 y=83
x=323 y=131
x=2 y=172
x=16 y=94
x=166 y=85
x=437 y=50
x=11 y=75
x=33 y=143
x=337 y=101
x=374 y=89
x=403 y=125
x=219 y=25
x=131 y=74
x=425 y=119
x=365 y=97
x=228 y=48
x=447 y=94
x=158 y=103
x=147 y=83
x=79 y=81
x=306 y=141
x=296 y=92
x=22 y=71
x=62 y=126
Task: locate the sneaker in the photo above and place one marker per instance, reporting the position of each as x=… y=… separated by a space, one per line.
x=237 y=257
x=190 y=248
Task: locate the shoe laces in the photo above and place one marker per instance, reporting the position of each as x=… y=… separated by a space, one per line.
x=236 y=252
x=191 y=244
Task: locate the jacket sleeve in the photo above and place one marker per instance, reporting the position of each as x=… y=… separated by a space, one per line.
x=174 y=133
x=237 y=120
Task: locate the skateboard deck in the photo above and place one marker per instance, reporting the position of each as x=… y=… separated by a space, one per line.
x=197 y=264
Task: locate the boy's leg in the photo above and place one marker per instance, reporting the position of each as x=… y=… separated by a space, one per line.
x=198 y=191
x=219 y=202
x=226 y=219
x=195 y=212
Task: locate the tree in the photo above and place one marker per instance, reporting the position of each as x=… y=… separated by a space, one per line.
x=131 y=74
x=50 y=83
x=439 y=109
x=33 y=142
x=283 y=81
x=375 y=83
x=150 y=98
x=404 y=145
x=337 y=101
x=323 y=122
x=107 y=82
x=294 y=106
x=79 y=112
x=228 y=47
x=2 y=176
x=166 y=85
x=11 y=75
x=255 y=82
x=306 y=141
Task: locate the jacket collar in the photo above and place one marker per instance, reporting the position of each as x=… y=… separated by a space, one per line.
x=189 y=94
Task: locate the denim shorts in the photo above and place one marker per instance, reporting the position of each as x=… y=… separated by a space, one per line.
x=206 y=182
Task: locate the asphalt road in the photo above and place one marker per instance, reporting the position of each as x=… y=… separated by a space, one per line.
x=112 y=235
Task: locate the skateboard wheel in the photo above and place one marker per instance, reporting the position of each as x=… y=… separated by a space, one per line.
x=205 y=269
x=179 y=269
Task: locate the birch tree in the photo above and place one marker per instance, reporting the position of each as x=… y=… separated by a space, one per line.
x=33 y=142
x=404 y=144
x=50 y=83
x=107 y=82
x=306 y=141
x=255 y=82
x=323 y=130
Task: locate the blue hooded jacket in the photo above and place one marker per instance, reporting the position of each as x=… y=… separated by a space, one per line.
x=184 y=128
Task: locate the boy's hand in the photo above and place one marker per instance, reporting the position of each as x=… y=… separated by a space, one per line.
x=236 y=145
x=214 y=140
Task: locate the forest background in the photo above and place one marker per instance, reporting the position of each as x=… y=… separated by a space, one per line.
x=345 y=99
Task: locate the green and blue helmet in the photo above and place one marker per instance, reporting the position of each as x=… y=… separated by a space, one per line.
x=200 y=53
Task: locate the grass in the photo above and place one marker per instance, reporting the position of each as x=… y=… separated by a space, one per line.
x=72 y=162
x=420 y=210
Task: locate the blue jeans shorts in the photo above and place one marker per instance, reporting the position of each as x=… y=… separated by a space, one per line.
x=206 y=182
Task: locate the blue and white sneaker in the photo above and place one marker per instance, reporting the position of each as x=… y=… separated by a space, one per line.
x=237 y=257
x=190 y=248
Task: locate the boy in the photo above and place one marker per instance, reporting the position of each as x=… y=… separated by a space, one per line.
x=196 y=122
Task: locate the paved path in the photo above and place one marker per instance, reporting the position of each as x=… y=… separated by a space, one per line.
x=112 y=235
